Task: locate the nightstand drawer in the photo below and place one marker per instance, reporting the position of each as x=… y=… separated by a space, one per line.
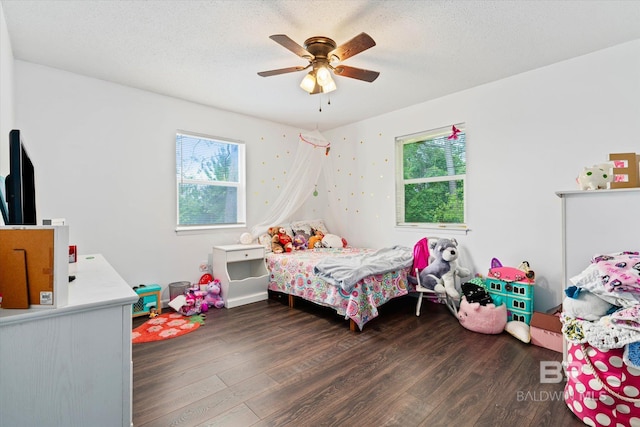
x=245 y=254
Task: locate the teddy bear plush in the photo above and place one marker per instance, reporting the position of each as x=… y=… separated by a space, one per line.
x=276 y=247
x=285 y=240
x=440 y=274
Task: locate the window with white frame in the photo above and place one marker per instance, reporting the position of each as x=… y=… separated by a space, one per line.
x=210 y=182
x=431 y=178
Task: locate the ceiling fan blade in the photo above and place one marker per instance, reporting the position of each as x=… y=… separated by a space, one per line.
x=294 y=47
x=280 y=71
x=359 y=43
x=356 y=73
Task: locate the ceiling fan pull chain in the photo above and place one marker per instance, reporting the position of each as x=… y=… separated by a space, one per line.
x=320 y=103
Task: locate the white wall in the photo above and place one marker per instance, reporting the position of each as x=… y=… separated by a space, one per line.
x=6 y=94
x=105 y=160
x=528 y=136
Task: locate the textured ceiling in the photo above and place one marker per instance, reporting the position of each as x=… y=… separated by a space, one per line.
x=209 y=52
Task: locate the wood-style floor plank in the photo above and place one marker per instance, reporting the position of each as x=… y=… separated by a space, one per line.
x=265 y=364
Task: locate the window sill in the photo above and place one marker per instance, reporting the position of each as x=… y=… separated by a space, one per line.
x=449 y=229
x=203 y=229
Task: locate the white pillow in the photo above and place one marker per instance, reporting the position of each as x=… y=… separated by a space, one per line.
x=316 y=224
x=519 y=330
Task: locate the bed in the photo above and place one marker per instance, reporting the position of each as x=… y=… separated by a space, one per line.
x=301 y=274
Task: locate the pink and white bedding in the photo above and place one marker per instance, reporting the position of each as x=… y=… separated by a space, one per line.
x=293 y=273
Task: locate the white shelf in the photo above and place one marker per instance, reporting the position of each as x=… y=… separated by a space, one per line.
x=242 y=272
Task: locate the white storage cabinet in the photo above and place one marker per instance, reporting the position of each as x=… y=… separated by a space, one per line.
x=242 y=272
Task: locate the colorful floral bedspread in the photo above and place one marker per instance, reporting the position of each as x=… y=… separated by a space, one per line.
x=292 y=273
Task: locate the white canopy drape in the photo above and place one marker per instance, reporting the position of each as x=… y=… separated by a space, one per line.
x=310 y=159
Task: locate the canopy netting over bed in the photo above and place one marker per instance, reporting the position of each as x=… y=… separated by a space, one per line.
x=311 y=158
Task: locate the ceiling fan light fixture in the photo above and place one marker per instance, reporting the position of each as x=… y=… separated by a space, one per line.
x=309 y=82
x=323 y=75
x=329 y=87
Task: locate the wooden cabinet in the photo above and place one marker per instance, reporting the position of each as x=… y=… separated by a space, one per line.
x=242 y=273
x=72 y=365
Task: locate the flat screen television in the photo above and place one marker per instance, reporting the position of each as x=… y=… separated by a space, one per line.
x=20 y=188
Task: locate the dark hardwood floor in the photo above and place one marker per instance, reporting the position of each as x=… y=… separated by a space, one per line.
x=265 y=364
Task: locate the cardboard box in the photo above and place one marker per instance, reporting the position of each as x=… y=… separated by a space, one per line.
x=546 y=330
x=34 y=266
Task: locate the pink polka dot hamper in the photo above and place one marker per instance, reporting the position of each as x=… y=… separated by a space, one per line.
x=602 y=389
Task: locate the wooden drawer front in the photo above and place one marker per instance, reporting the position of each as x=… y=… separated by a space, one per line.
x=245 y=254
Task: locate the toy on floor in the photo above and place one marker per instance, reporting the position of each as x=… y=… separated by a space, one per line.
x=478 y=311
x=486 y=319
x=153 y=312
x=213 y=298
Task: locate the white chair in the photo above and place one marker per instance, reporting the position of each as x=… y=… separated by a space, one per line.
x=443 y=298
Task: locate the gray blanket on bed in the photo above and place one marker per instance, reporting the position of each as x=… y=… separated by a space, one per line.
x=347 y=271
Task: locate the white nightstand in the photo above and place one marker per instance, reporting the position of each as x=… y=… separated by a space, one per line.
x=242 y=272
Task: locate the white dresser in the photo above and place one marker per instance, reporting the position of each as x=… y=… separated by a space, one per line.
x=242 y=272
x=70 y=366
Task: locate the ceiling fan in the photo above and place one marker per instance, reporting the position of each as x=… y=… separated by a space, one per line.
x=321 y=52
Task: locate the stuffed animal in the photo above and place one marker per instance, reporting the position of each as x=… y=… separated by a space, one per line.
x=476 y=293
x=276 y=247
x=596 y=177
x=299 y=242
x=213 y=298
x=582 y=304
x=332 y=241
x=315 y=241
x=285 y=240
x=486 y=319
x=440 y=274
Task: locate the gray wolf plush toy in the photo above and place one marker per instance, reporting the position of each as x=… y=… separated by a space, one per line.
x=440 y=274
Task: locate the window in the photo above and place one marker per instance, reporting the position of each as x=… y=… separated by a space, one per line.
x=431 y=171
x=210 y=182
